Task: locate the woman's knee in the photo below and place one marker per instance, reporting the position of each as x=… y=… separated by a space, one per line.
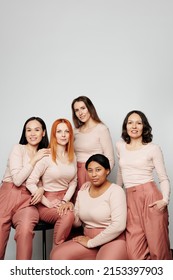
x=59 y=253
x=68 y=217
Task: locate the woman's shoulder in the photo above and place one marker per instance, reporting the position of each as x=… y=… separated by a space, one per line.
x=116 y=190
x=153 y=147
x=120 y=143
x=18 y=148
x=116 y=187
x=101 y=126
x=85 y=186
x=75 y=130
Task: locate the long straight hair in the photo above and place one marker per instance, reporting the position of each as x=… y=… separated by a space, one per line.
x=44 y=142
x=53 y=142
x=90 y=106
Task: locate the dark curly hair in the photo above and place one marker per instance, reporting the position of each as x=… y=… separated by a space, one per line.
x=147 y=129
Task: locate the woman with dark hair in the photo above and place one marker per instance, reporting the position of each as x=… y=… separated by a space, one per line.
x=147 y=233
x=15 y=206
x=91 y=136
x=44 y=141
x=101 y=209
x=58 y=174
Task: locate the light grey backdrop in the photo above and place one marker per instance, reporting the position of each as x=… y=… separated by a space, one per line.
x=117 y=52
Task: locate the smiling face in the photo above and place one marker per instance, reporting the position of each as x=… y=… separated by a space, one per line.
x=134 y=126
x=97 y=173
x=81 y=111
x=34 y=132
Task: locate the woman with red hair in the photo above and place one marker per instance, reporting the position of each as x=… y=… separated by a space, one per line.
x=58 y=174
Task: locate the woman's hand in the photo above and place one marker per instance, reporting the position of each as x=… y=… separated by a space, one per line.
x=160 y=204
x=55 y=203
x=39 y=155
x=64 y=207
x=82 y=239
x=37 y=196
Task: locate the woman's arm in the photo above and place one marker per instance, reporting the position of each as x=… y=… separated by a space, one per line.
x=119 y=179
x=118 y=209
x=71 y=189
x=107 y=145
x=159 y=165
x=18 y=170
x=33 y=180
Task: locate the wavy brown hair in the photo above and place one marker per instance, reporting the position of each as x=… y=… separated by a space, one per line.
x=53 y=142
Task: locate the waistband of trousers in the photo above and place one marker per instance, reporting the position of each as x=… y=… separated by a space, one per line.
x=11 y=185
x=141 y=187
x=55 y=192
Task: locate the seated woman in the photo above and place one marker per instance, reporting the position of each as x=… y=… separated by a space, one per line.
x=15 y=199
x=58 y=174
x=101 y=209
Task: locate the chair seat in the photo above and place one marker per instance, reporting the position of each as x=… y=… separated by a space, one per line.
x=43 y=226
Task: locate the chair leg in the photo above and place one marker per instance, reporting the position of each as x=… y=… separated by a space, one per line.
x=44 y=244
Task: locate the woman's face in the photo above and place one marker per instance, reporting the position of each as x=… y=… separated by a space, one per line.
x=34 y=132
x=81 y=111
x=62 y=134
x=134 y=126
x=97 y=173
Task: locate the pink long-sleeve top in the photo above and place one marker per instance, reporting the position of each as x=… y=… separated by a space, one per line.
x=54 y=176
x=18 y=167
x=137 y=167
x=108 y=211
x=95 y=141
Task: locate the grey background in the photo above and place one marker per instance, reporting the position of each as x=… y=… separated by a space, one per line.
x=118 y=53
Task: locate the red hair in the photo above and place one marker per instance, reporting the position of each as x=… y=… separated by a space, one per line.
x=53 y=142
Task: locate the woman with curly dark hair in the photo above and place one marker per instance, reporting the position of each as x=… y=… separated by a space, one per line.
x=147 y=234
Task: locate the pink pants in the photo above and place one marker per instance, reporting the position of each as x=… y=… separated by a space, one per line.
x=147 y=234
x=71 y=250
x=62 y=224
x=15 y=208
x=82 y=177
